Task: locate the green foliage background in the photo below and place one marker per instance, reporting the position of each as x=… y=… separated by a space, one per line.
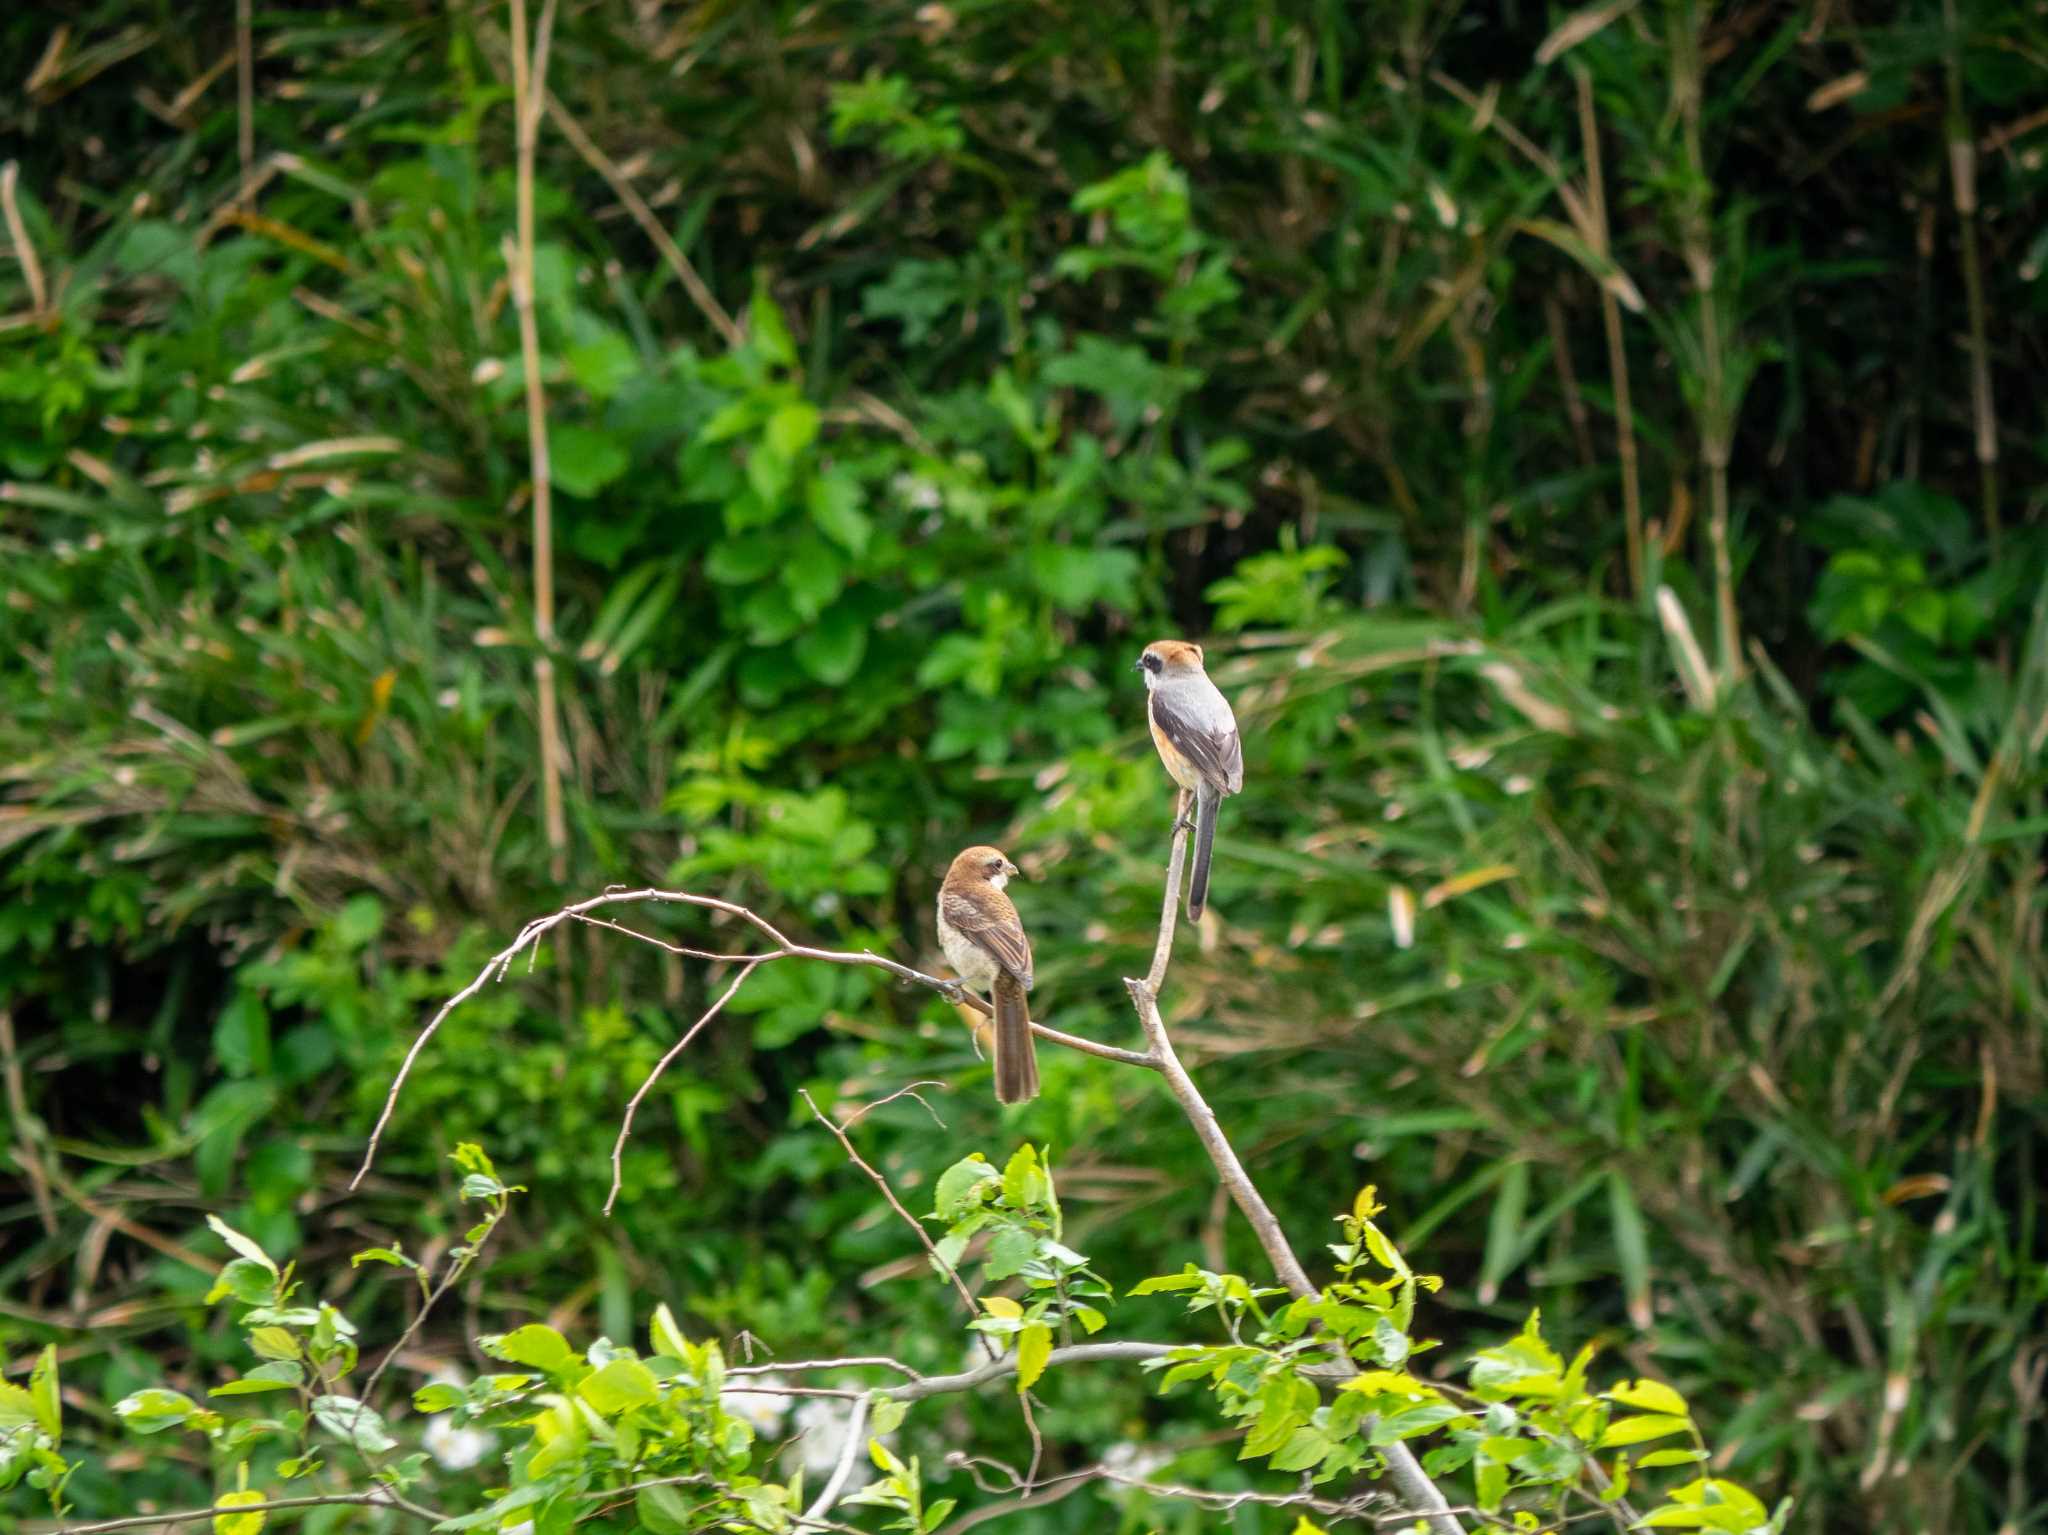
x=1028 y=333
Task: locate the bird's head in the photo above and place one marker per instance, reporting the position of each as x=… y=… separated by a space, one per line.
x=1165 y=659
x=985 y=864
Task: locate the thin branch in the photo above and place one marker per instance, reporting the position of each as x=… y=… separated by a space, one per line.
x=674 y=1050
x=383 y=1498
x=449 y=1280
x=851 y=1362
x=842 y=1472
x=1145 y=998
x=1402 y=1466
x=997 y=1369
x=916 y=1225
x=529 y=84
x=529 y=937
x=623 y=188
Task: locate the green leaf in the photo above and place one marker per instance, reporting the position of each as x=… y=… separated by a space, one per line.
x=1305 y=1447
x=1674 y=1517
x=44 y=1394
x=389 y=1255
x=239 y=1524
x=604 y=364
x=664 y=1511
x=273 y=1343
x=1023 y=1183
x=831 y=650
x=1658 y=1458
x=536 y=1344
x=962 y=1187
x=352 y=1422
x=153 y=1409
x=17 y=1409
x=1649 y=1396
x=792 y=427
x=744 y=558
x=619 y=1387
x=770 y=335
x=834 y=499
x=812 y=574
x=583 y=460
x=1636 y=1430
x=1410 y=1421
x=1034 y=1347
x=438 y=1397
x=665 y=1337
x=279 y=1375
x=1008 y=1251
x=241 y=1244
x=1166 y=1284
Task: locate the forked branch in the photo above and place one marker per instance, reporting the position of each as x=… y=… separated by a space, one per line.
x=1417 y=1491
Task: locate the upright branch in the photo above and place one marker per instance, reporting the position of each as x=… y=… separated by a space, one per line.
x=529 y=94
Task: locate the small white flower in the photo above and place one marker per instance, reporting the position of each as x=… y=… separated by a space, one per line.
x=762 y=1410
x=456 y=1448
x=821 y=1424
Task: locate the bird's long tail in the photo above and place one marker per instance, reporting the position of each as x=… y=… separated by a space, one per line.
x=1207 y=803
x=1016 y=1057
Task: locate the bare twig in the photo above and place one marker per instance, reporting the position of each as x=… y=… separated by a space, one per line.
x=997 y=1369
x=785 y=948
x=924 y=1237
x=529 y=87
x=449 y=1280
x=674 y=1050
x=623 y=188
x=382 y=1498
x=851 y=1362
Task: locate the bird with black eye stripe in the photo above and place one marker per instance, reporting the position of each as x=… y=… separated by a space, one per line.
x=1197 y=739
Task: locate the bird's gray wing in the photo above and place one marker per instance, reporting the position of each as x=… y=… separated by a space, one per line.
x=1204 y=732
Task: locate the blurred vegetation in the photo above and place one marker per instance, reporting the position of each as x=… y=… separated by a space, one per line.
x=1404 y=351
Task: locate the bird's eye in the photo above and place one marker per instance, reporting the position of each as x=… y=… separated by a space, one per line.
x=1150 y=663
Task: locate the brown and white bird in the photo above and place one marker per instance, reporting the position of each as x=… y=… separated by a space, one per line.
x=1197 y=739
x=984 y=942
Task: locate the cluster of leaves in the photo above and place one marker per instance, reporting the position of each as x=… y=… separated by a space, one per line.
x=1531 y=1430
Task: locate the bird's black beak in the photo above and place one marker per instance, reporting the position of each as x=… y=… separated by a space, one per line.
x=1138 y=665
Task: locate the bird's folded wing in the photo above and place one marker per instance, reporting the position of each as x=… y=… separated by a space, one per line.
x=1211 y=745
x=988 y=918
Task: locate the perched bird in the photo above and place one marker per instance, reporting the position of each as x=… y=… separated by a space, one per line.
x=985 y=943
x=1197 y=739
